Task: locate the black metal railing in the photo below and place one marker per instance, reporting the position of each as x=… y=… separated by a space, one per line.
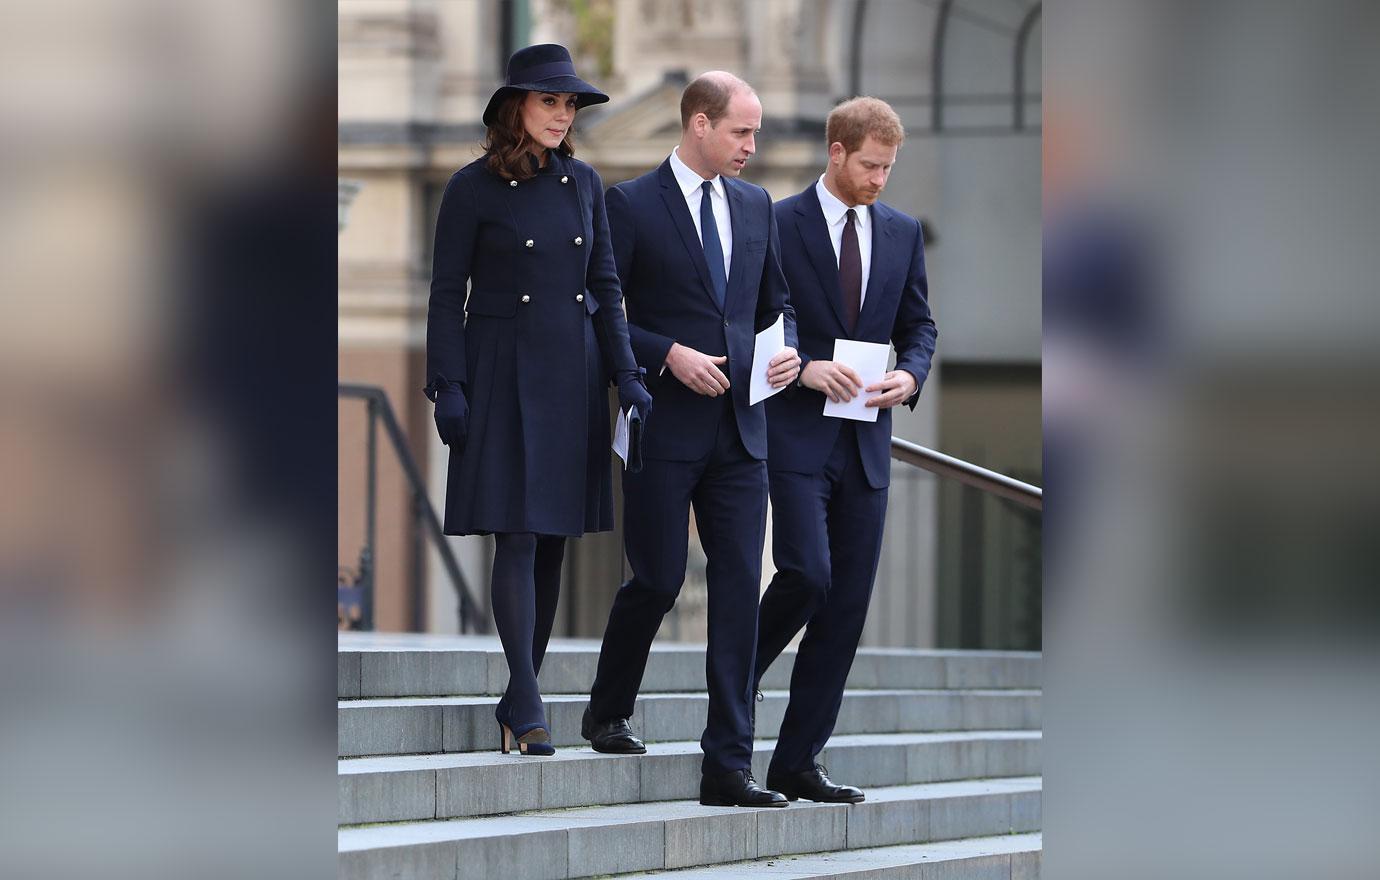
x=356 y=587
x=967 y=473
x=989 y=592
x=1026 y=504
x=355 y=596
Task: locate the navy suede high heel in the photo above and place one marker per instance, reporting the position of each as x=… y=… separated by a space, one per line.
x=530 y=739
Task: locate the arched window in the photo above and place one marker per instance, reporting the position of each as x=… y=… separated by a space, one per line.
x=1020 y=91
x=961 y=86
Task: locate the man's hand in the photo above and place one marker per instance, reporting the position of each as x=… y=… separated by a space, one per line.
x=839 y=382
x=783 y=368
x=697 y=371
x=895 y=386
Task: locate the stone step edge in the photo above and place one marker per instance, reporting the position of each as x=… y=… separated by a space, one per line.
x=880 y=794
x=448 y=760
x=418 y=673
x=869 y=861
x=774 y=693
x=379 y=642
x=682 y=834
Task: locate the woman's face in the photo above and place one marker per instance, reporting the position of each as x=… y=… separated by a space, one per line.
x=547 y=116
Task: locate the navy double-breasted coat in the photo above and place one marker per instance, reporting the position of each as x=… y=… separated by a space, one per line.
x=532 y=347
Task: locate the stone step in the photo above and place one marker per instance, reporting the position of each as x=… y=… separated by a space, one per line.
x=412 y=787
x=409 y=725
x=594 y=841
x=1013 y=856
x=418 y=665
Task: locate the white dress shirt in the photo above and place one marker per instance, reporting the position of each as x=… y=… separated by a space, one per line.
x=835 y=218
x=690 y=183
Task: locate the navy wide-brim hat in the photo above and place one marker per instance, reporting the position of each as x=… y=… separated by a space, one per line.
x=543 y=68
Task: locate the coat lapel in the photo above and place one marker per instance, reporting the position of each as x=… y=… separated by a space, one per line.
x=737 y=223
x=815 y=236
x=680 y=215
x=882 y=232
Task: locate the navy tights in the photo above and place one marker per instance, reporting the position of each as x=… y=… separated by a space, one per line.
x=525 y=585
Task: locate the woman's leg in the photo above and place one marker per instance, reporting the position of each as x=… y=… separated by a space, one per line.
x=515 y=615
x=547 y=575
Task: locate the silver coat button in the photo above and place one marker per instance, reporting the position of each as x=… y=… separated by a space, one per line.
x=565 y=179
x=579 y=240
x=579 y=297
x=526 y=298
x=530 y=242
x=512 y=183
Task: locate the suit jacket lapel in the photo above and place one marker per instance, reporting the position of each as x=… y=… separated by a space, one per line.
x=820 y=250
x=882 y=231
x=738 y=230
x=680 y=214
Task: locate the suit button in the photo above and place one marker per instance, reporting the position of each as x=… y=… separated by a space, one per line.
x=579 y=240
x=530 y=242
x=579 y=297
x=565 y=179
x=526 y=298
x=725 y=323
x=512 y=183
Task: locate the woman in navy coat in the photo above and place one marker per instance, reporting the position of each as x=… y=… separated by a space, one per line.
x=519 y=370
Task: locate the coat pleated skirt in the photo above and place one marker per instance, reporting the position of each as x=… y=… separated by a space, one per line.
x=530 y=475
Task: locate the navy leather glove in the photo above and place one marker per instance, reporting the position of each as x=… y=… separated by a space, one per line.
x=632 y=393
x=452 y=417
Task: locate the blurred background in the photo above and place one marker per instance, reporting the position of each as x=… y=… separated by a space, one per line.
x=960 y=568
x=1211 y=437
x=167 y=456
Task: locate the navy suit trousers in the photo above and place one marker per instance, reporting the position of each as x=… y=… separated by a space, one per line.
x=728 y=491
x=826 y=541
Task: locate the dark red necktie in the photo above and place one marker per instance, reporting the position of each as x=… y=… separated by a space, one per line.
x=850 y=272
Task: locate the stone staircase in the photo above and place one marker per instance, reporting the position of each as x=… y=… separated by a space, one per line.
x=945 y=743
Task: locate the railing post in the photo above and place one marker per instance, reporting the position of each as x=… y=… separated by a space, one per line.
x=370 y=513
x=972 y=577
x=418 y=564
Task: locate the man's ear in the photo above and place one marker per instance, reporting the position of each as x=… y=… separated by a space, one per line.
x=837 y=153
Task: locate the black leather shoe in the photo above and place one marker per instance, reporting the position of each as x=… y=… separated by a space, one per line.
x=814 y=785
x=611 y=737
x=737 y=789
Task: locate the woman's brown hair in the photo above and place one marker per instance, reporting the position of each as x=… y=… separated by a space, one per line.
x=508 y=142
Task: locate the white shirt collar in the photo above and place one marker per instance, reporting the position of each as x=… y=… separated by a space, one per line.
x=690 y=180
x=834 y=210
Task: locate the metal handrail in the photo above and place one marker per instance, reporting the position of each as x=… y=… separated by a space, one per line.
x=377 y=399
x=967 y=473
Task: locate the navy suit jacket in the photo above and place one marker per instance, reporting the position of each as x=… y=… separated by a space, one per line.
x=895 y=310
x=669 y=299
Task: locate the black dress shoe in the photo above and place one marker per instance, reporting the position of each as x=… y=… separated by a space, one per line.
x=611 y=737
x=737 y=789
x=814 y=785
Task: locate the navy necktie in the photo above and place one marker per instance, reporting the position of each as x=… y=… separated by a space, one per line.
x=713 y=249
x=850 y=272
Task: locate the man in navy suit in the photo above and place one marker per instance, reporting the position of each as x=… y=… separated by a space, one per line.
x=856 y=270
x=698 y=258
